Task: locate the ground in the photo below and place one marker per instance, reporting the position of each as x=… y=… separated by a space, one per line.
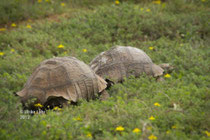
x=175 y=32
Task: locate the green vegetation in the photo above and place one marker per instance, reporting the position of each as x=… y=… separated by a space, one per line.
x=177 y=108
x=19 y=10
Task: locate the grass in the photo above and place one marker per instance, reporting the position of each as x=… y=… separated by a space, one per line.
x=177 y=30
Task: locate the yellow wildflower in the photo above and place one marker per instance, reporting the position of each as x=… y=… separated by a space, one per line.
x=167 y=132
x=152 y=137
x=207 y=133
x=136 y=130
x=39 y=1
x=148 y=10
x=2 y=29
x=57 y=108
x=60 y=46
x=1 y=53
x=152 y=118
x=12 y=50
x=163 y=5
x=84 y=50
x=13 y=25
x=151 y=48
x=167 y=75
x=63 y=4
x=117 y=2
x=77 y=119
x=203 y=0
x=156 y=104
x=141 y=9
x=44 y=133
x=47 y=0
x=181 y=44
x=65 y=52
x=136 y=7
x=119 y=128
x=28 y=26
x=174 y=127
x=149 y=128
x=38 y=105
x=89 y=135
x=157 y=2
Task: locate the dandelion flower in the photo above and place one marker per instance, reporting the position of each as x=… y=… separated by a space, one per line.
x=148 y=10
x=57 y=108
x=39 y=1
x=157 y=2
x=13 y=25
x=141 y=9
x=136 y=130
x=1 y=53
x=167 y=75
x=117 y=2
x=152 y=137
x=38 y=105
x=156 y=104
x=149 y=128
x=63 y=4
x=136 y=7
x=28 y=26
x=60 y=46
x=207 y=133
x=12 y=50
x=77 y=119
x=65 y=52
x=89 y=135
x=163 y=5
x=84 y=50
x=44 y=133
x=174 y=127
x=203 y=0
x=2 y=29
x=119 y=128
x=167 y=132
x=152 y=118
x=151 y=48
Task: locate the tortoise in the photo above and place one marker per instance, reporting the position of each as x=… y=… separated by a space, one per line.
x=123 y=61
x=59 y=80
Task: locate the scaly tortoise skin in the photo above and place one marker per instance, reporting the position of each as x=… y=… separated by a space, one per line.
x=120 y=61
x=62 y=78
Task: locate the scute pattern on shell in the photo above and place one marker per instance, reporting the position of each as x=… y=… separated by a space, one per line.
x=65 y=77
x=120 y=62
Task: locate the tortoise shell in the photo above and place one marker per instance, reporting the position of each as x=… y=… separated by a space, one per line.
x=65 y=77
x=120 y=62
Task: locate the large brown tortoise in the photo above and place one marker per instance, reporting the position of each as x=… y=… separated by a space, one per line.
x=60 y=79
x=120 y=61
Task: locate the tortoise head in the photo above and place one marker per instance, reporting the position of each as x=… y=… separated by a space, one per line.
x=109 y=83
x=167 y=67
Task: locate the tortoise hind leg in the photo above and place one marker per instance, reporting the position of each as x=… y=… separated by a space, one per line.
x=104 y=95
